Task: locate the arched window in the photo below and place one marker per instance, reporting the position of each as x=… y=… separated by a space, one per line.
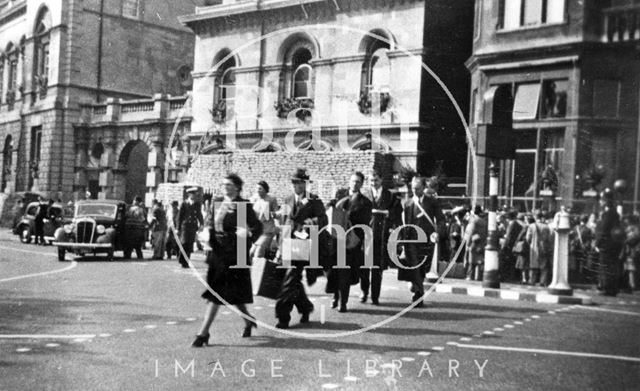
x=376 y=72
x=302 y=74
x=225 y=88
x=41 y=53
x=12 y=62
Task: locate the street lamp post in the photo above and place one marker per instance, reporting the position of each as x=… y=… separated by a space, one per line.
x=490 y=277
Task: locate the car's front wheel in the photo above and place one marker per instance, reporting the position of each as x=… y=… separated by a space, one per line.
x=61 y=254
x=25 y=234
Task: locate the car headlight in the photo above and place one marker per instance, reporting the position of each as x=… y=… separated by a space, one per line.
x=68 y=228
x=100 y=229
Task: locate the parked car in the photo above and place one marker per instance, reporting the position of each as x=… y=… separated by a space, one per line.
x=98 y=226
x=58 y=215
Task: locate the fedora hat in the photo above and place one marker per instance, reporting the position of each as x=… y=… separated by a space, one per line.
x=300 y=174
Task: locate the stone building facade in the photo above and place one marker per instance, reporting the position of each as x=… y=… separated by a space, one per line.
x=335 y=76
x=572 y=70
x=56 y=56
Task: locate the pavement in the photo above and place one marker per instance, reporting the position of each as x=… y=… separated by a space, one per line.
x=509 y=291
x=88 y=324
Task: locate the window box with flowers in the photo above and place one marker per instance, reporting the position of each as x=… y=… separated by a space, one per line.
x=367 y=100
x=10 y=98
x=219 y=112
x=42 y=83
x=303 y=107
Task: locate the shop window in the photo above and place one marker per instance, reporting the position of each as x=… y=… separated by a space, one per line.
x=526 y=102
x=554 y=98
x=553 y=149
x=606 y=98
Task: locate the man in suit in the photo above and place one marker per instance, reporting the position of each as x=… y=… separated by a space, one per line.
x=384 y=218
x=299 y=209
x=358 y=209
x=425 y=213
x=189 y=221
x=609 y=242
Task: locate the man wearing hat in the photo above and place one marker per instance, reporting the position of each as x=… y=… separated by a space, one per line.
x=609 y=243
x=299 y=209
x=189 y=221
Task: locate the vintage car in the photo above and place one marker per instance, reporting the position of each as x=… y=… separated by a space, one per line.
x=99 y=226
x=57 y=216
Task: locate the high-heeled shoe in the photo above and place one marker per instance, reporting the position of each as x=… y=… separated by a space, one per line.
x=247 y=329
x=200 y=341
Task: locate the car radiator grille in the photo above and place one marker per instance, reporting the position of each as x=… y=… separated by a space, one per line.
x=84 y=231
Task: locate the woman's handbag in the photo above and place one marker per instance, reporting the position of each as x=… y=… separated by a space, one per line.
x=271 y=281
x=296 y=249
x=521 y=245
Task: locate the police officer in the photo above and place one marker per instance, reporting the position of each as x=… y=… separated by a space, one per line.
x=189 y=221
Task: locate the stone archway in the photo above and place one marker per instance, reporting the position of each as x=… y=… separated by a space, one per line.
x=134 y=157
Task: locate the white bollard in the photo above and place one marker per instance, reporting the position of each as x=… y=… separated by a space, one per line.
x=560 y=284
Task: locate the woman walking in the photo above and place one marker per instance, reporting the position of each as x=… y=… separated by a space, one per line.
x=265 y=208
x=231 y=284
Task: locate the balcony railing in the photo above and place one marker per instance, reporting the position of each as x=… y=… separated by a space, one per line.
x=621 y=24
x=160 y=107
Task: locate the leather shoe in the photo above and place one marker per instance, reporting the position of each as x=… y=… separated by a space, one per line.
x=363 y=298
x=375 y=302
x=305 y=315
x=343 y=308
x=281 y=325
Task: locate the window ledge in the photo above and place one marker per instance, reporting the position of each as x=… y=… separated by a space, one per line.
x=530 y=28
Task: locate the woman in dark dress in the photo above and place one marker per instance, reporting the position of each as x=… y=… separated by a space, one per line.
x=231 y=284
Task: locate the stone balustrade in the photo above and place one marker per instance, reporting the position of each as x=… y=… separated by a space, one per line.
x=160 y=107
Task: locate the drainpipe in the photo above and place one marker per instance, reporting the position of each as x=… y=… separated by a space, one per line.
x=636 y=191
x=260 y=69
x=99 y=70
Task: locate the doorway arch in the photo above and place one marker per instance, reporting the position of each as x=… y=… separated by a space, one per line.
x=134 y=158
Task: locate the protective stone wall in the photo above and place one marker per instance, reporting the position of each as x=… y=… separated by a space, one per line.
x=328 y=171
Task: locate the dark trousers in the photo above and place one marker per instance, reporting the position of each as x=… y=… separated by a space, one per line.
x=188 y=249
x=343 y=288
x=292 y=294
x=373 y=278
x=39 y=226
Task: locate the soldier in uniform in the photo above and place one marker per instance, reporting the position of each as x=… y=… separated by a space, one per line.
x=425 y=213
x=299 y=209
x=384 y=218
x=189 y=221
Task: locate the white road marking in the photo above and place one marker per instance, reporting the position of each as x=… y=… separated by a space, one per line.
x=437 y=348
x=80 y=340
x=424 y=353
x=508 y=326
x=465 y=339
x=330 y=386
x=451 y=343
x=488 y=333
x=171 y=322
x=550 y=313
x=23 y=350
x=408 y=359
x=150 y=326
x=546 y=351
x=129 y=330
x=609 y=310
x=518 y=322
x=498 y=329
x=537 y=316
x=191 y=319
x=64 y=269
x=45 y=336
x=104 y=335
x=52 y=345
x=528 y=320
x=351 y=378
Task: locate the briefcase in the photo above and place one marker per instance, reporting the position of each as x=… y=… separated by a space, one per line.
x=296 y=249
x=271 y=281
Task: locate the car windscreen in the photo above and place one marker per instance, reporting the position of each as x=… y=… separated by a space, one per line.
x=100 y=210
